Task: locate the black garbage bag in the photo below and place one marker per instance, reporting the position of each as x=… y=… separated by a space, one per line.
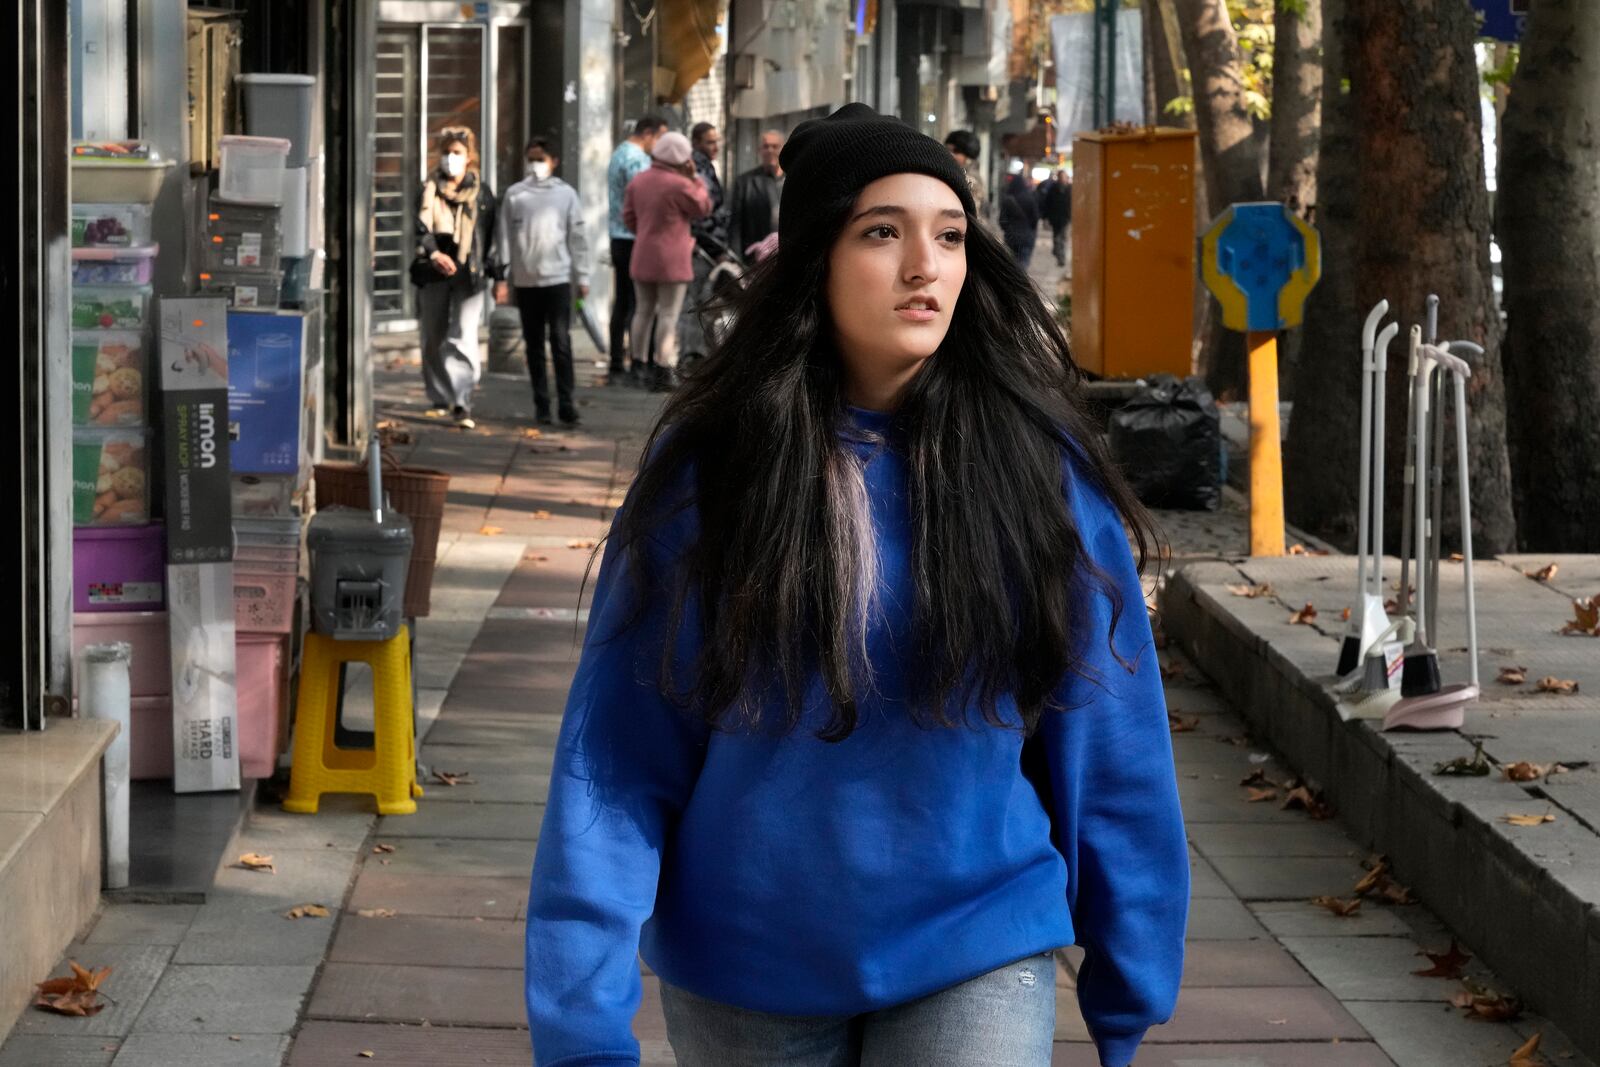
x=1168 y=442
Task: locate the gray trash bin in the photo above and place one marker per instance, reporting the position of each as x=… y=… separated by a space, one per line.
x=358 y=573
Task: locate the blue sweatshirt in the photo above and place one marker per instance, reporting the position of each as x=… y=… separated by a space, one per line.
x=786 y=874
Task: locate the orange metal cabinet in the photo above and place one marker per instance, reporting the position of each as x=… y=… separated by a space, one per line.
x=1133 y=252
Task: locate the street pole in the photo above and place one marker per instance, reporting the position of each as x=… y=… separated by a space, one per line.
x=1098 y=89
x=1266 y=457
x=1111 y=61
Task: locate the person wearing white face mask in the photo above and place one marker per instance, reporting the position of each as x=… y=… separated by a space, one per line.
x=454 y=263
x=543 y=243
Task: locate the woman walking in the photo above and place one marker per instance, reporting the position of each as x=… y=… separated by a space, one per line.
x=658 y=207
x=453 y=267
x=869 y=719
x=1019 y=218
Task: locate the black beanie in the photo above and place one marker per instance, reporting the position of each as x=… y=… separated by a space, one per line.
x=825 y=159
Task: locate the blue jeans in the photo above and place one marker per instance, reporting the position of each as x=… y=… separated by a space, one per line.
x=1006 y=1018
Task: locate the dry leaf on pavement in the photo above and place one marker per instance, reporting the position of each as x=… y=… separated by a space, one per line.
x=306 y=911
x=78 y=994
x=541 y=514
x=533 y=433
x=1446 y=964
x=1524 y=1056
x=1585 y=617
x=376 y=913
x=490 y=531
x=382 y=848
x=1251 y=591
x=1304 y=615
x=1258 y=777
x=1551 y=684
x=252 y=861
x=1301 y=796
x=583 y=543
x=1257 y=795
x=1342 y=908
x=1179 y=725
x=1481 y=1002
x=1528 y=820
x=1543 y=574
x=1473 y=766
x=453 y=777
x=1344 y=616
x=1512 y=675
x=1523 y=771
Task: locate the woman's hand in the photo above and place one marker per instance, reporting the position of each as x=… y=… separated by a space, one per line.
x=443 y=264
x=502 y=293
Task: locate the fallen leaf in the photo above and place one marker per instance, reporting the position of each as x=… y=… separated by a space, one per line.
x=584 y=543
x=1446 y=964
x=376 y=913
x=1473 y=766
x=1179 y=725
x=541 y=515
x=235 y=1037
x=1373 y=880
x=1342 y=908
x=1257 y=777
x=382 y=848
x=306 y=911
x=1585 y=618
x=490 y=531
x=453 y=777
x=537 y=557
x=1304 y=615
x=365 y=1054
x=1251 y=591
x=77 y=994
x=1543 y=574
x=1528 y=820
x=1523 y=1057
x=1456 y=557
x=532 y=433
x=252 y=861
x=1256 y=796
x=1523 y=771
x=1395 y=893
x=1298 y=549
x=1551 y=684
x=1512 y=675
x=1301 y=796
x=1482 y=1002
x=1344 y=616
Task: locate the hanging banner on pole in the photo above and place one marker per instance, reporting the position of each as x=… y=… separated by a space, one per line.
x=1072 y=52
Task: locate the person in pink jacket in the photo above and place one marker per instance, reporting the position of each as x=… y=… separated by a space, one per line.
x=658 y=207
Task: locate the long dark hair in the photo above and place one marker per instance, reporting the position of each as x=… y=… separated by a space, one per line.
x=781 y=574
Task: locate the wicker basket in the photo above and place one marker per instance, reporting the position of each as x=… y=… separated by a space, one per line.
x=418 y=493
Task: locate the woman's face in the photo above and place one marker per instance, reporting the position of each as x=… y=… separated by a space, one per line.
x=894 y=275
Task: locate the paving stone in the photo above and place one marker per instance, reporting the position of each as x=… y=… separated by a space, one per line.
x=322 y=1043
x=431 y=894
x=135 y=971
x=58 y=1050
x=497 y=733
x=1281 y=1054
x=1303 y=838
x=485 y=786
x=1241 y=963
x=411 y=939
x=507 y=822
x=1288 y=877
x=202 y=1050
x=1299 y=918
x=226 y=1000
x=1221 y=919
x=229 y=932
x=301 y=876
x=1069 y=1020
x=141 y=924
x=1373 y=968
x=1204 y=881
x=1425 y=1033
x=343 y=820
x=443 y=996
x=1257 y=1013
x=462 y=859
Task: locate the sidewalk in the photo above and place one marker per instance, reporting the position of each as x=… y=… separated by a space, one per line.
x=419 y=961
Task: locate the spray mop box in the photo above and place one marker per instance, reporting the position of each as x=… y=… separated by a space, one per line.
x=194 y=393
x=266 y=350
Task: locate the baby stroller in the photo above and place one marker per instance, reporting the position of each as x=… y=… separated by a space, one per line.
x=706 y=316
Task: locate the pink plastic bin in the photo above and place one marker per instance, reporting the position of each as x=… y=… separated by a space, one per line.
x=150 y=673
x=263 y=603
x=119 y=568
x=259 y=667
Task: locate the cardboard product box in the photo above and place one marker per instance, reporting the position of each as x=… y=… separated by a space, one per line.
x=213 y=38
x=266 y=361
x=193 y=353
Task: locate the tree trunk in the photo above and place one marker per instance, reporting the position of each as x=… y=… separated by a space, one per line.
x=1321 y=461
x=1296 y=104
x=1165 y=62
x=1549 y=231
x=1230 y=155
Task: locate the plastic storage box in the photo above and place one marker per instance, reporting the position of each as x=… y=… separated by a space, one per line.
x=252 y=169
x=358 y=573
x=280 y=105
x=110 y=478
x=243 y=288
x=134 y=265
x=116 y=181
x=110 y=225
x=243 y=237
x=108 y=378
x=259 y=661
x=296 y=195
x=119 y=568
x=263 y=603
x=110 y=307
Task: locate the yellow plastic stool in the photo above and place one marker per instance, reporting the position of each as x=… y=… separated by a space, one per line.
x=388 y=770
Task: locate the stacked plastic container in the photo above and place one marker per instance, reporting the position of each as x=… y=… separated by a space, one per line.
x=243 y=238
x=118 y=553
x=281 y=106
x=266 y=569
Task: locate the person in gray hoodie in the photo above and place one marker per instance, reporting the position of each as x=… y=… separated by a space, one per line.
x=545 y=248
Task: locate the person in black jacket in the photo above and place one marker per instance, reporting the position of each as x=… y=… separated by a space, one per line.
x=711 y=232
x=1019 y=218
x=756 y=195
x=453 y=266
x=1055 y=204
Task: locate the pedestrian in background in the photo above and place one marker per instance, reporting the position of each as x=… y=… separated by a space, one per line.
x=658 y=207
x=1055 y=204
x=545 y=255
x=1019 y=218
x=757 y=194
x=869 y=718
x=453 y=265
x=966 y=148
x=711 y=232
x=631 y=158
